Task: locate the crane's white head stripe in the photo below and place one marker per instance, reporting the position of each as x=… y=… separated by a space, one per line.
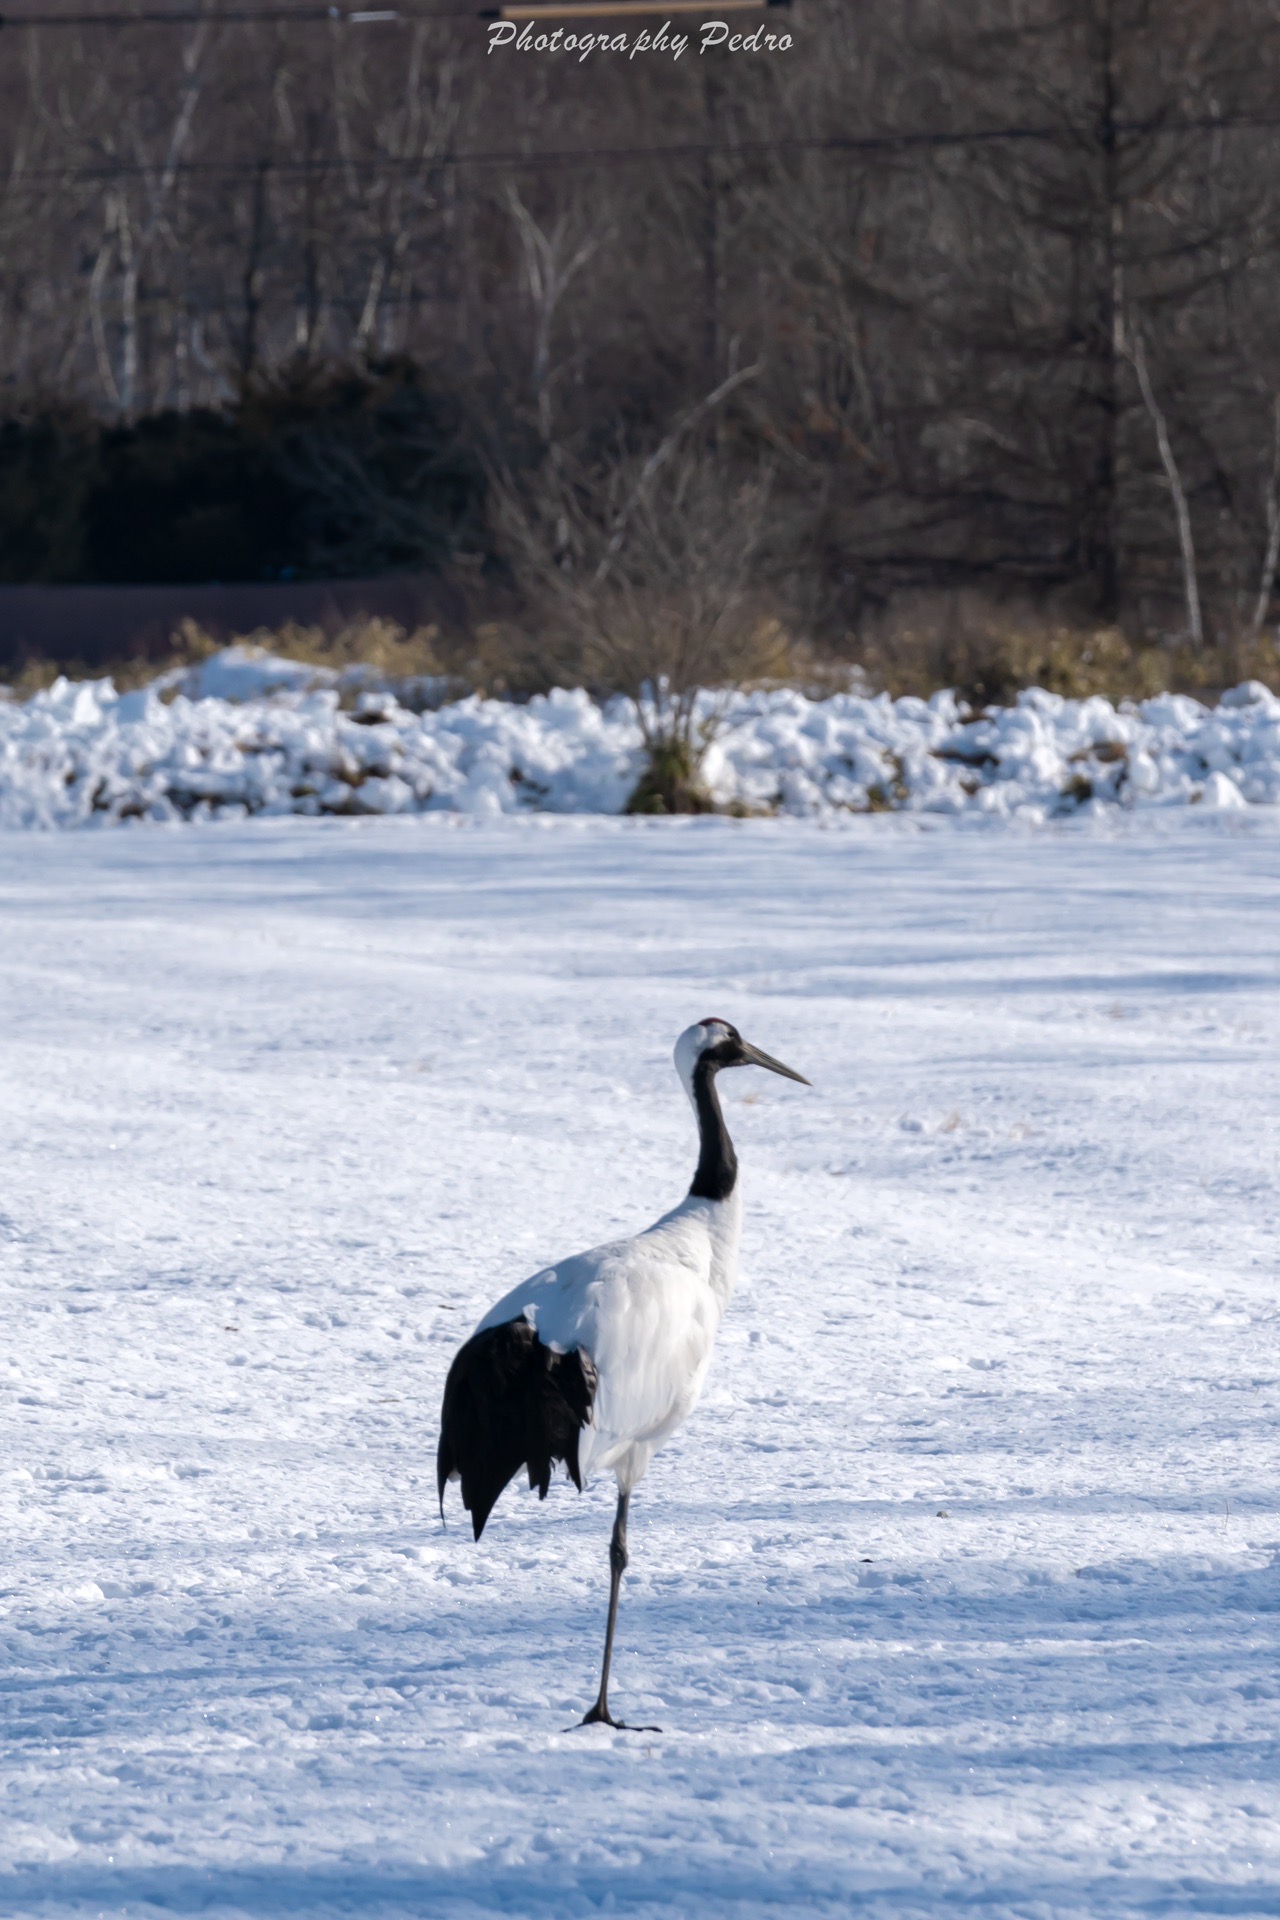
x=693 y=1043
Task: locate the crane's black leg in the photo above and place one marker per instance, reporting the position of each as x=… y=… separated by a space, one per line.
x=600 y=1714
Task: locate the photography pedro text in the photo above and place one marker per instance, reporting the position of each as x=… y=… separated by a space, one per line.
x=711 y=34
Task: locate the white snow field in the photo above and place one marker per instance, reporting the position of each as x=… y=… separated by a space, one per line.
x=959 y=1594
x=246 y=734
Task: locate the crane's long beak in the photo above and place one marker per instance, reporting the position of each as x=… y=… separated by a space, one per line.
x=752 y=1057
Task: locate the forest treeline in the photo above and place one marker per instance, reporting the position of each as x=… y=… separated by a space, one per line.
x=951 y=294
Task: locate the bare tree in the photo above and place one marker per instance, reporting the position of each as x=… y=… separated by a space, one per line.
x=1271 y=507
x=551 y=258
x=136 y=228
x=1135 y=352
x=925 y=223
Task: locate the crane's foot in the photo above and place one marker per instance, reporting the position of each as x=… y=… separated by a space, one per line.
x=600 y=1716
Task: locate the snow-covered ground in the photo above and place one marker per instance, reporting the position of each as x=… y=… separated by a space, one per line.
x=961 y=1591
x=249 y=734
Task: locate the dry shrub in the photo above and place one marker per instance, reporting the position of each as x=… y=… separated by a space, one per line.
x=643 y=578
x=383 y=646
x=382 y=649
x=705 y=631
x=989 y=654
x=188 y=645
x=36 y=675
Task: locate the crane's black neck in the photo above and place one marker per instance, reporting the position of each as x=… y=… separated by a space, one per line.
x=717 y=1172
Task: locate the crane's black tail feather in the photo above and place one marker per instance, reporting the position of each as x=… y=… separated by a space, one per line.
x=509 y=1401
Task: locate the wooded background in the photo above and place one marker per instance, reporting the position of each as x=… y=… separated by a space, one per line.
x=1000 y=281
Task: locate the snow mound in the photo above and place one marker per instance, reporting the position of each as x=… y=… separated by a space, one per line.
x=246 y=734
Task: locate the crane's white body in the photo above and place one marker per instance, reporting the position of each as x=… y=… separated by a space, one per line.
x=633 y=1324
x=646 y=1312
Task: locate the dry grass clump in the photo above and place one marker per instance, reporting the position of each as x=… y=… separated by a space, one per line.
x=382 y=645
x=36 y=675
x=187 y=648
x=382 y=649
x=989 y=655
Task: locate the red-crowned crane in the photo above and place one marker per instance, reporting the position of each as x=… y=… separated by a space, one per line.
x=596 y=1360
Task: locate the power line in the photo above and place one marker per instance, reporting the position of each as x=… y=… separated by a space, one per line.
x=552 y=158
x=530 y=10
x=168 y=17
x=511 y=10
x=907 y=140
